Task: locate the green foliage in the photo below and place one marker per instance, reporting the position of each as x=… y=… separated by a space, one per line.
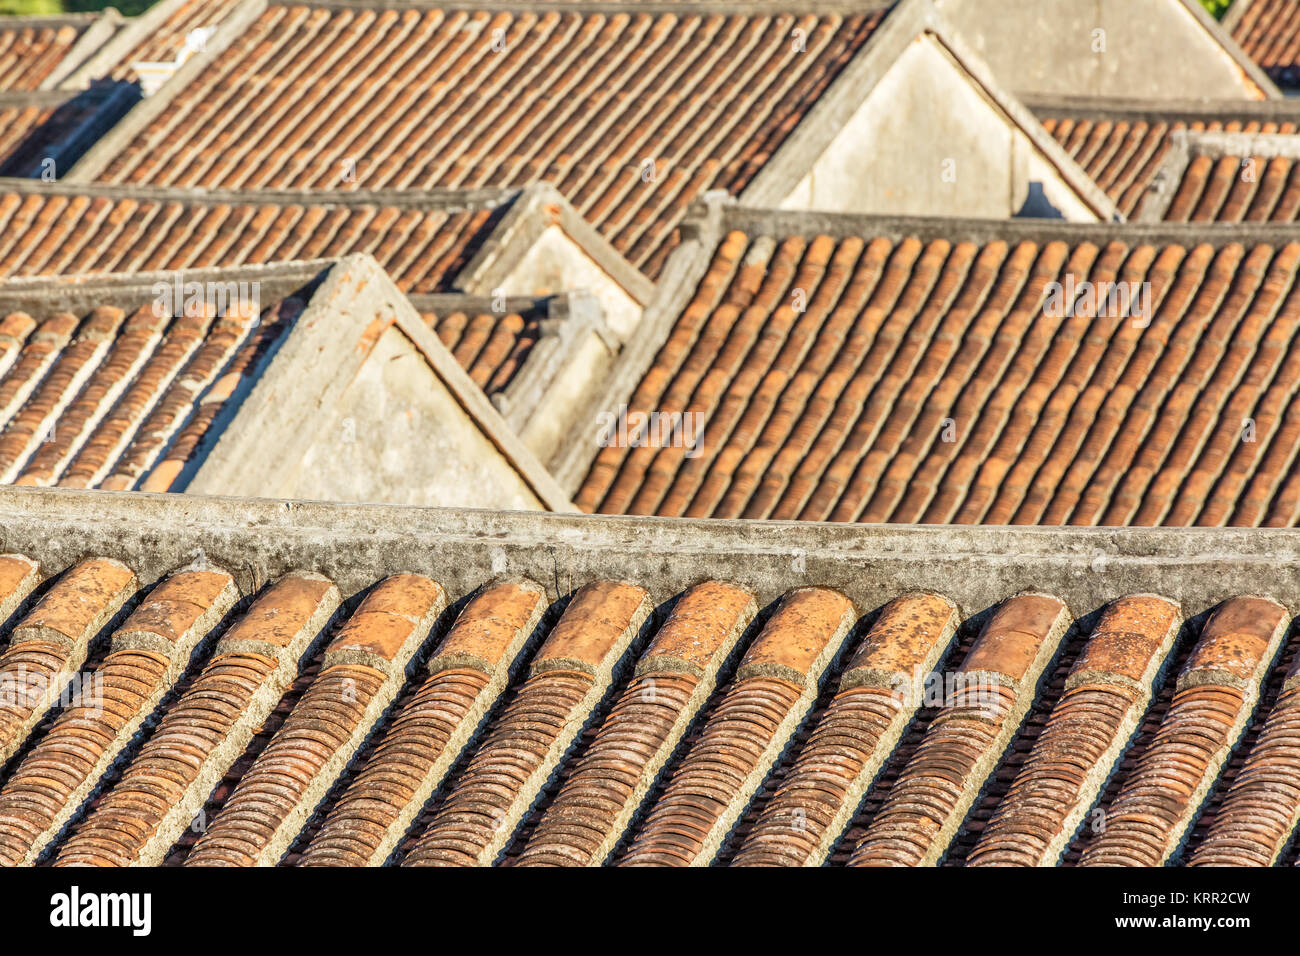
x=129 y=8
x=51 y=7
x=30 y=7
x=1217 y=8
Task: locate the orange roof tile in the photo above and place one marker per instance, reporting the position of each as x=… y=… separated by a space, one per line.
x=769 y=720
x=631 y=115
x=881 y=376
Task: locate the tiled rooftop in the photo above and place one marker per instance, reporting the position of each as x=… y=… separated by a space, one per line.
x=1269 y=32
x=1125 y=154
x=30 y=51
x=417 y=694
x=631 y=115
x=916 y=371
x=68 y=229
x=491 y=347
x=121 y=396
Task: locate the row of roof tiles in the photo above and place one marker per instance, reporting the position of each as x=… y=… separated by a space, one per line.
x=602 y=730
x=923 y=376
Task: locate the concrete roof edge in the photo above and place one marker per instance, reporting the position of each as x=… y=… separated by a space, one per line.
x=1046 y=106
x=1219 y=143
x=485 y=197
x=780 y=222
x=355 y=544
x=85 y=291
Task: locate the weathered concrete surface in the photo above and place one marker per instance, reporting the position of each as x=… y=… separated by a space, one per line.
x=362 y=402
x=1164 y=48
x=927 y=140
x=355 y=545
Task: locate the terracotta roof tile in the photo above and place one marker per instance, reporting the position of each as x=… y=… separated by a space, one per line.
x=204 y=731
x=1124 y=157
x=673 y=679
x=467 y=673
x=29 y=53
x=1269 y=33
x=865 y=378
x=48 y=645
x=992 y=692
x=1216 y=692
x=120 y=400
x=772 y=693
x=877 y=700
x=491 y=348
x=631 y=115
x=148 y=654
x=1108 y=690
x=571 y=672
x=61 y=233
x=361 y=674
x=581 y=729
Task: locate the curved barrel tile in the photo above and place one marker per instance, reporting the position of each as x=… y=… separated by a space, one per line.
x=363 y=669
x=206 y=730
x=877 y=700
x=467 y=674
x=673 y=679
x=49 y=645
x=774 y=690
x=1262 y=808
x=148 y=655
x=1106 y=694
x=992 y=692
x=1216 y=693
x=19 y=576
x=571 y=673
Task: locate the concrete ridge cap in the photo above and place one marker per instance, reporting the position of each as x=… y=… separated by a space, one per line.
x=1132 y=109
x=610 y=7
x=470 y=302
x=1217 y=143
x=780 y=222
x=445 y=198
x=34 y=98
x=21 y=21
x=72 y=507
x=292 y=269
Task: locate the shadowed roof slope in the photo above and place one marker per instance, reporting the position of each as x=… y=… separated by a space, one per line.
x=631 y=115
x=851 y=369
x=357 y=685
x=1269 y=32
